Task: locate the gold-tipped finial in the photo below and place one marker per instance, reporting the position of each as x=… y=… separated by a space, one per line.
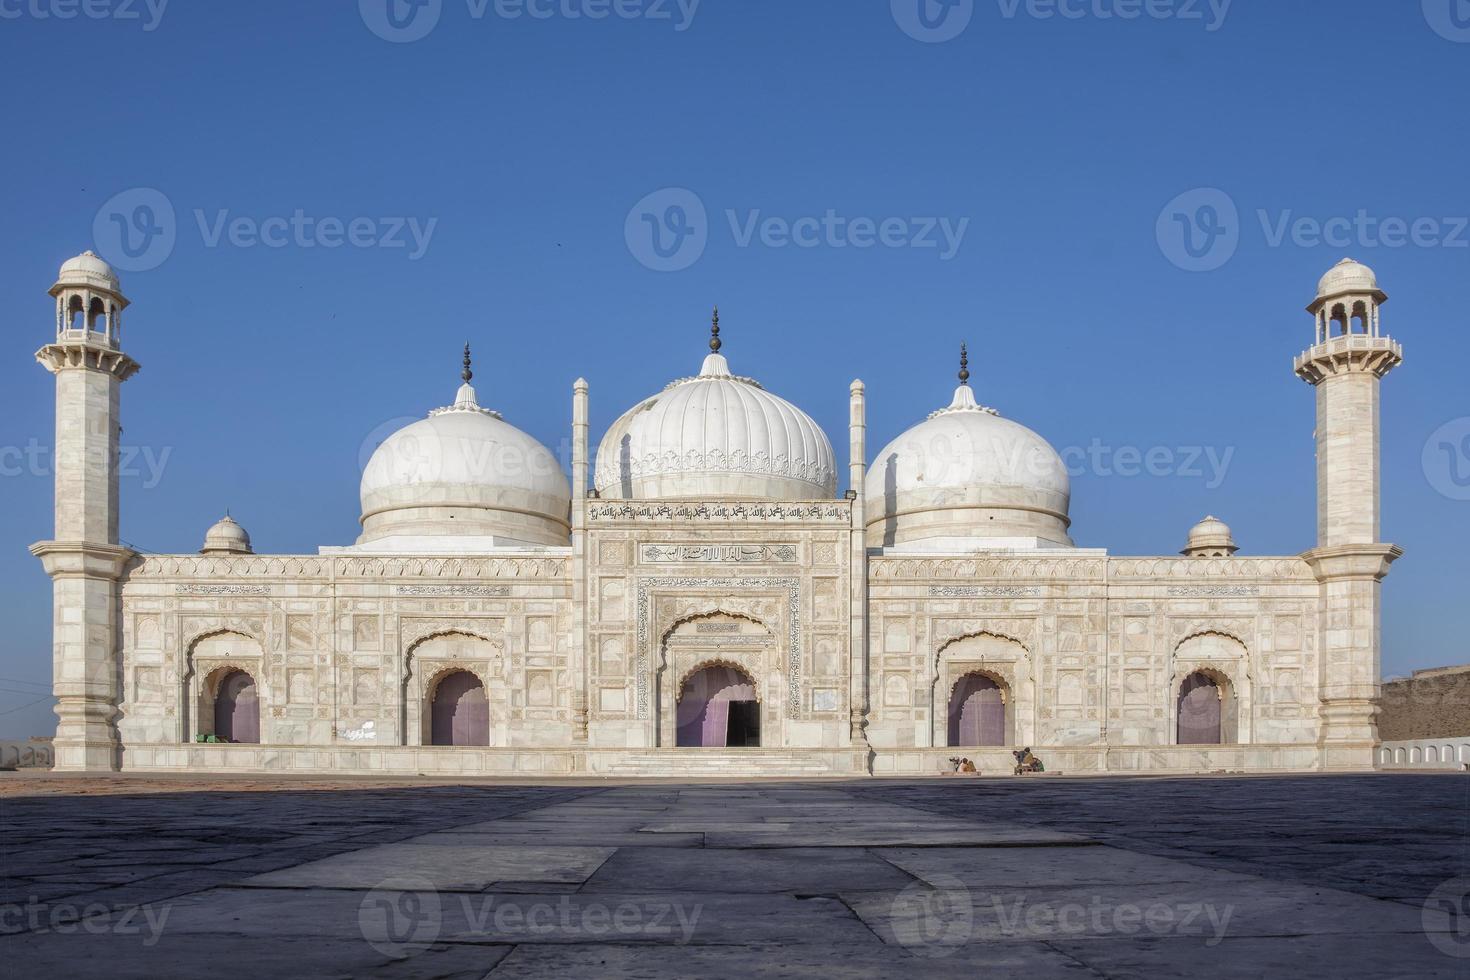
x=714 y=332
x=964 y=365
x=467 y=374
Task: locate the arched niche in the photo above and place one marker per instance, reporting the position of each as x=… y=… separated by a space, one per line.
x=1221 y=660
x=1002 y=659
x=434 y=657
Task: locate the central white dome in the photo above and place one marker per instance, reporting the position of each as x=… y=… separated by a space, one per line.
x=716 y=436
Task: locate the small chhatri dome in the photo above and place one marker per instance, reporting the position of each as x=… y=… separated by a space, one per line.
x=968 y=478
x=463 y=473
x=88 y=269
x=1348 y=276
x=226 y=538
x=1210 y=538
x=716 y=436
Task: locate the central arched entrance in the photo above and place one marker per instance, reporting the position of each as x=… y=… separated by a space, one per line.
x=237 y=709
x=718 y=708
x=460 y=711
x=977 y=712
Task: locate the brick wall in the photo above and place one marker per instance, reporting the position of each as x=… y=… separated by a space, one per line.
x=1430 y=704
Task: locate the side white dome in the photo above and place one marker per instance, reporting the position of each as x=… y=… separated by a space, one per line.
x=465 y=472
x=716 y=436
x=966 y=477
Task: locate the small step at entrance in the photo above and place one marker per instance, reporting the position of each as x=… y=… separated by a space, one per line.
x=673 y=763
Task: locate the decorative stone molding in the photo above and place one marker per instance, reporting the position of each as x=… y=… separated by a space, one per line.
x=1242 y=631
x=1078 y=570
x=323 y=569
x=452 y=590
x=60 y=357
x=1353 y=561
x=461 y=568
x=220 y=590
x=739 y=554
x=733 y=513
x=983 y=591
x=1213 y=591
x=1209 y=568
x=413 y=632
x=209 y=566
x=790 y=586
x=815 y=471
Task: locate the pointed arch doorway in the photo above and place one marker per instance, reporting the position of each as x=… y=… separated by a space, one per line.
x=718 y=708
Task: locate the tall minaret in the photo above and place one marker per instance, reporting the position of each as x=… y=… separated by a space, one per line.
x=1349 y=357
x=84 y=559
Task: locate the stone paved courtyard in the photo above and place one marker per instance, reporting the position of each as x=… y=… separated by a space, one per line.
x=1286 y=876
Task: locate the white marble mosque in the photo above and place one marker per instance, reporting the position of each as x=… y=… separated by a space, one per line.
x=714 y=595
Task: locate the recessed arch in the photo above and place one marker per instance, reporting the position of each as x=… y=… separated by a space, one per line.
x=718 y=706
x=979 y=710
x=1205 y=709
x=235 y=705
x=458 y=709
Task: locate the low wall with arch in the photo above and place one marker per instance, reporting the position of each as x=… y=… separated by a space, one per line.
x=1425 y=753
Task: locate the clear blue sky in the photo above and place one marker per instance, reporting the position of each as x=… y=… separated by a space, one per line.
x=529 y=141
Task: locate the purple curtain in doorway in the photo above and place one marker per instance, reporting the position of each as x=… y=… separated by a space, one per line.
x=461 y=712
x=1199 y=711
x=237 y=709
x=703 y=713
x=977 y=712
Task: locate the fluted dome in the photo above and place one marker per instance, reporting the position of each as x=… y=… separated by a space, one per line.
x=226 y=538
x=1210 y=538
x=967 y=478
x=464 y=473
x=716 y=436
x=1348 y=276
x=88 y=269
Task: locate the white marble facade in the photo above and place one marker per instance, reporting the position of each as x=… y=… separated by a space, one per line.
x=709 y=530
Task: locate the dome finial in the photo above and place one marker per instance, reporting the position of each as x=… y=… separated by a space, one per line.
x=467 y=374
x=714 y=332
x=964 y=364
